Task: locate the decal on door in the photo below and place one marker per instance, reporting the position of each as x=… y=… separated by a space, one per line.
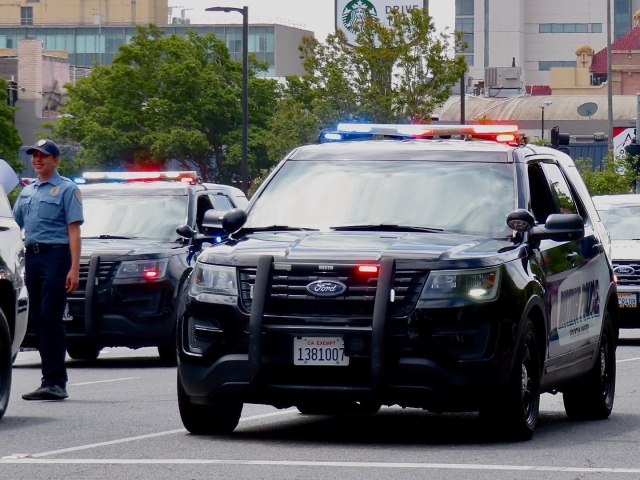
x=577 y=306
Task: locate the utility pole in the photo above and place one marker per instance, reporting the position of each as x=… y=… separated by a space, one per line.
x=609 y=81
x=463 y=107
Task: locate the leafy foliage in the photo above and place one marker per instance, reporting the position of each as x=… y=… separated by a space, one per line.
x=398 y=72
x=617 y=175
x=10 y=141
x=168 y=98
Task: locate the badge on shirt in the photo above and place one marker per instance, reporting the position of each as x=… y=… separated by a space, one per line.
x=55 y=190
x=78 y=194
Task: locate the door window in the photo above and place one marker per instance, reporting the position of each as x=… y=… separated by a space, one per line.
x=542 y=204
x=560 y=189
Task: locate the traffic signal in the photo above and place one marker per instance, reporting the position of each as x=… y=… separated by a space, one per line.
x=633 y=149
x=560 y=141
x=12 y=93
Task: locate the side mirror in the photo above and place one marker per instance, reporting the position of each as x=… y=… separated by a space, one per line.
x=233 y=220
x=521 y=220
x=560 y=228
x=212 y=222
x=185 y=231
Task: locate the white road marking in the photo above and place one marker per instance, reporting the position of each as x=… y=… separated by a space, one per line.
x=301 y=463
x=153 y=435
x=628 y=360
x=102 y=381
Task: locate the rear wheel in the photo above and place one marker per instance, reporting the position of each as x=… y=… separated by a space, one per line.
x=515 y=413
x=591 y=397
x=83 y=350
x=6 y=362
x=220 y=418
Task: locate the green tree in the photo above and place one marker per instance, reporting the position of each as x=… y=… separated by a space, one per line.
x=168 y=97
x=399 y=71
x=617 y=176
x=10 y=141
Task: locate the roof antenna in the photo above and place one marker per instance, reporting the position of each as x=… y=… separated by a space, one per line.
x=513 y=62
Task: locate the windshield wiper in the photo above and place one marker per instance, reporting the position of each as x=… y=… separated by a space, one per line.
x=384 y=227
x=278 y=228
x=113 y=237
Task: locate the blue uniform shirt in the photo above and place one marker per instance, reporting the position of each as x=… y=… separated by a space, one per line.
x=45 y=209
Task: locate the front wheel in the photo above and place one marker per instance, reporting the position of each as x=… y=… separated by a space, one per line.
x=83 y=350
x=591 y=397
x=220 y=418
x=515 y=413
x=6 y=362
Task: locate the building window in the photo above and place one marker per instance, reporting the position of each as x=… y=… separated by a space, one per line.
x=596 y=28
x=621 y=18
x=566 y=27
x=464 y=7
x=26 y=15
x=546 y=65
x=464 y=25
x=33 y=1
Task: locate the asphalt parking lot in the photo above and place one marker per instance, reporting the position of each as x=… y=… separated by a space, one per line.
x=121 y=421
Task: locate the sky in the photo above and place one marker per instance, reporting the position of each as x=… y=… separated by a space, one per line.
x=315 y=15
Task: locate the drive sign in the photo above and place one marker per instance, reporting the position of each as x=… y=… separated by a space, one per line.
x=350 y=12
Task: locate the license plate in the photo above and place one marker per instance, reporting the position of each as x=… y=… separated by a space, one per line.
x=66 y=316
x=326 y=351
x=627 y=300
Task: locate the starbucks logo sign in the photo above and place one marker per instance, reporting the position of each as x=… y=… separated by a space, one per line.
x=355 y=12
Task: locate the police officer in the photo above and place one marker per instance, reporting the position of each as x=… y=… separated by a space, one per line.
x=50 y=212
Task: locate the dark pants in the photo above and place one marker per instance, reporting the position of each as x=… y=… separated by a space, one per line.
x=45 y=275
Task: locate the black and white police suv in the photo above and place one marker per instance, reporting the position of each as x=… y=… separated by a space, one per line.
x=621 y=216
x=443 y=274
x=14 y=301
x=140 y=232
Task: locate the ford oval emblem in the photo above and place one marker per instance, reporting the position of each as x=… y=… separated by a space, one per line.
x=624 y=270
x=326 y=288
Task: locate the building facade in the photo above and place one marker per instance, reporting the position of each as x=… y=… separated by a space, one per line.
x=83 y=12
x=275 y=44
x=536 y=35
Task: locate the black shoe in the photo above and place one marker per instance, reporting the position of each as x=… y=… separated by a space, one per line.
x=52 y=392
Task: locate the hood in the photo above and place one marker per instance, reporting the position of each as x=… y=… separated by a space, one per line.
x=125 y=247
x=362 y=246
x=625 y=250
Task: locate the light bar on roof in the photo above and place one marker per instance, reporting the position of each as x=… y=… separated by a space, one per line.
x=428 y=130
x=187 y=176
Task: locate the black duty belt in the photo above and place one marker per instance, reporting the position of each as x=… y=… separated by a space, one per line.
x=44 y=247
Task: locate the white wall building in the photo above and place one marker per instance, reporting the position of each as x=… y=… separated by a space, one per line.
x=539 y=34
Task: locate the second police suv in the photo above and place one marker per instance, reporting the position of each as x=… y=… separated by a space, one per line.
x=133 y=257
x=423 y=271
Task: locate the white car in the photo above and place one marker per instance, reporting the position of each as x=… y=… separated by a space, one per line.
x=621 y=216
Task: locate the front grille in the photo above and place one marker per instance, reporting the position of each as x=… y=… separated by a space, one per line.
x=289 y=296
x=628 y=279
x=105 y=275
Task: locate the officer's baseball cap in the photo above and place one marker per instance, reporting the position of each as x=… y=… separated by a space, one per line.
x=48 y=147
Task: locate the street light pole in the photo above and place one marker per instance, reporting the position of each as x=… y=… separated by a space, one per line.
x=542 y=133
x=609 y=80
x=245 y=88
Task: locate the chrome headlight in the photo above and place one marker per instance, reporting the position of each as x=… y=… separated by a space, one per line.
x=214 y=284
x=154 y=269
x=480 y=285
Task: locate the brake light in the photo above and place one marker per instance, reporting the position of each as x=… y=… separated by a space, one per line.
x=150 y=273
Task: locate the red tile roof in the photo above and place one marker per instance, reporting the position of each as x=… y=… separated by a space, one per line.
x=630 y=41
x=539 y=90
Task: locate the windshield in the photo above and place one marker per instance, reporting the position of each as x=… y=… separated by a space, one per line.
x=154 y=217
x=462 y=197
x=623 y=222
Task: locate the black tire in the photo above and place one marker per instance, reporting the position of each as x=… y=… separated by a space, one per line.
x=6 y=363
x=515 y=413
x=83 y=350
x=169 y=352
x=218 y=419
x=591 y=397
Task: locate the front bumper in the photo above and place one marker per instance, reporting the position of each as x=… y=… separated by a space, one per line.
x=111 y=314
x=442 y=359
